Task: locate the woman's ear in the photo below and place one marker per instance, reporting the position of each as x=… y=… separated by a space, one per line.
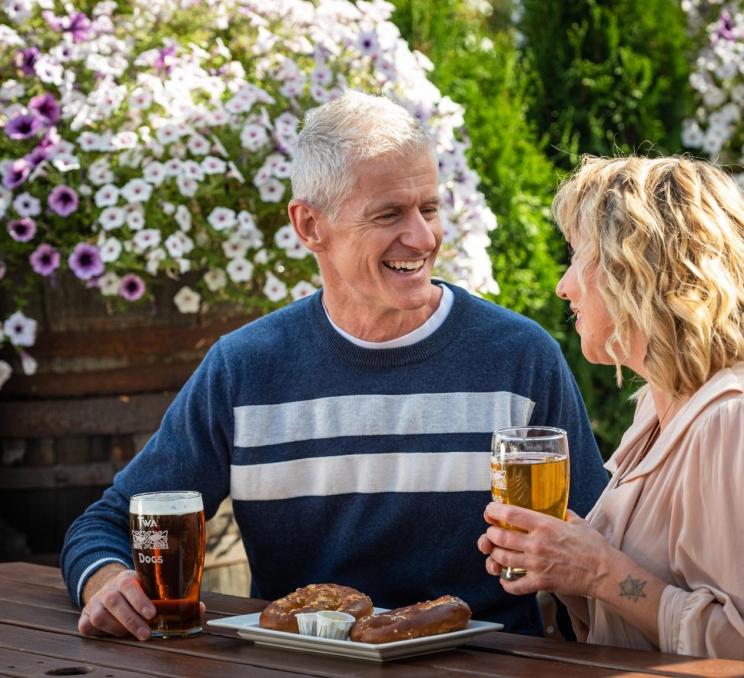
x=308 y=224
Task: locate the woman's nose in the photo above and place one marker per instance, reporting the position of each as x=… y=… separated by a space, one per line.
x=560 y=288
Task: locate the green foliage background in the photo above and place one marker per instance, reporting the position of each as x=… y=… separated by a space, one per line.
x=566 y=78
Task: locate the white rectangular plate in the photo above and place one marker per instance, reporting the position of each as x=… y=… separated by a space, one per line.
x=247 y=627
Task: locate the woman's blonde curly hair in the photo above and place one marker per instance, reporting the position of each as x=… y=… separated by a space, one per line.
x=666 y=238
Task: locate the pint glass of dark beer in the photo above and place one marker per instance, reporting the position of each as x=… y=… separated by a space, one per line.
x=168 y=537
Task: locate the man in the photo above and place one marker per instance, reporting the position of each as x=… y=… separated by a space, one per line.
x=352 y=429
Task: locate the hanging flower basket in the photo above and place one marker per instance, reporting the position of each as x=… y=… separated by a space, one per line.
x=153 y=141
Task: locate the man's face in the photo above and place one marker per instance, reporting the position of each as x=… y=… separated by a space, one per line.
x=378 y=253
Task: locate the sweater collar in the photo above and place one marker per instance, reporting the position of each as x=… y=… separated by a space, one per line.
x=382 y=358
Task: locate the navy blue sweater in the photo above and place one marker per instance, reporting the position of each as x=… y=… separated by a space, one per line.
x=363 y=467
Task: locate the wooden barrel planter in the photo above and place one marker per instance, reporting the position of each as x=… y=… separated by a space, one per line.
x=102 y=385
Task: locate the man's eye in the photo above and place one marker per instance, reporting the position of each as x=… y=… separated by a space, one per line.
x=388 y=215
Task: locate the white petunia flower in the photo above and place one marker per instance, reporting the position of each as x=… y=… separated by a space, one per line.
x=140 y=99
x=173 y=167
x=135 y=219
x=253 y=137
x=187 y=300
x=168 y=208
x=100 y=174
x=183 y=218
x=24 y=204
x=154 y=257
x=302 y=289
x=136 y=190
x=215 y=279
x=66 y=162
x=28 y=363
x=198 y=145
x=274 y=289
x=212 y=165
x=221 y=218
x=124 y=140
x=111 y=218
x=234 y=247
x=89 y=141
x=49 y=70
x=109 y=284
x=106 y=196
x=271 y=190
x=187 y=186
x=110 y=250
x=261 y=257
x=240 y=270
x=178 y=244
x=20 y=330
x=154 y=173
x=146 y=239
x=167 y=134
x=193 y=170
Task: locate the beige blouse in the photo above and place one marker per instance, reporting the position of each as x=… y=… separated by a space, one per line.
x=680 y=514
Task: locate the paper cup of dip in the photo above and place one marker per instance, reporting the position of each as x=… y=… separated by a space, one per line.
x=307 y=622
x=334 y=625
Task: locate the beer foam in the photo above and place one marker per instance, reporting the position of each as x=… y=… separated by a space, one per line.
x=166 y=503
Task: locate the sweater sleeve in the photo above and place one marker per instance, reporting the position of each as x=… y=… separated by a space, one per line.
x=561 y=405
x=704 y=615
x=190 y=451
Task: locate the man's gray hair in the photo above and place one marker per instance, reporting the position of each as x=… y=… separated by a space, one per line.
x=337 y=135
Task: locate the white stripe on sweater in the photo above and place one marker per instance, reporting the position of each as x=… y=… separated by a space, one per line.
x=363 y=473
x=375 y=415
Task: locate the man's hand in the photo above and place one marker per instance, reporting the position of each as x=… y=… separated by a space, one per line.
x=115 y=604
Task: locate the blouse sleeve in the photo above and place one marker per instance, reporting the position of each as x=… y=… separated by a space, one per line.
x=704 y=614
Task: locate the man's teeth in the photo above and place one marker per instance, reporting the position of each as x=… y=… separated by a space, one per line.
x=405 y=265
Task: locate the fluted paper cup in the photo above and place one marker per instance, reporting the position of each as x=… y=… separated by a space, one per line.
x=334 y=625
x=307 y=623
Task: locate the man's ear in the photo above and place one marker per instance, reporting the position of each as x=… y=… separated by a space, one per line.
x=307 y=224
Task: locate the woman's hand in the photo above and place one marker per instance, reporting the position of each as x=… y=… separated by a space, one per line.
x=567 y=557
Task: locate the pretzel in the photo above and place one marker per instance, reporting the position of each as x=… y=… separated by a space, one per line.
x=280 y=615
x=445 y=614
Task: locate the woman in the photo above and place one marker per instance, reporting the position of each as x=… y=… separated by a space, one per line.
x=656 y=284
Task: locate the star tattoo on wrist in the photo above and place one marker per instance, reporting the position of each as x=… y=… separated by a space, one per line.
x=632 y=588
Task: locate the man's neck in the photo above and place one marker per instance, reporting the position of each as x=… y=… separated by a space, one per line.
x=383 y=324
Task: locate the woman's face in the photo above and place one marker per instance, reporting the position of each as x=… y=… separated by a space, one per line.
x=593 y=322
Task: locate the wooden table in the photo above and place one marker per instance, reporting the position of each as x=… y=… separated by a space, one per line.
x=38 y=637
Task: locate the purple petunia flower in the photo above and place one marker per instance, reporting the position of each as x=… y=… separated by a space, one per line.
x=63 y=200
x=79 y=27
x=16 y=173
x=26 y=59
x=165 y=59
x=46 y=106
x=37 y=156
x=22 y=230
x=23 y=126
x=132 y=287
x=44 y=259
x=85 y=261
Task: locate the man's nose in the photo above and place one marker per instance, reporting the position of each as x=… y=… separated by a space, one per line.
x=419 y=233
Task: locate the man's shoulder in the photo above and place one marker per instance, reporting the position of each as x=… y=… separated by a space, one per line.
x=271 y=331
x=492 y=323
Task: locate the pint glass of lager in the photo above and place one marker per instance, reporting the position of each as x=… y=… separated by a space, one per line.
x=529 y=468
x=168 y=537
